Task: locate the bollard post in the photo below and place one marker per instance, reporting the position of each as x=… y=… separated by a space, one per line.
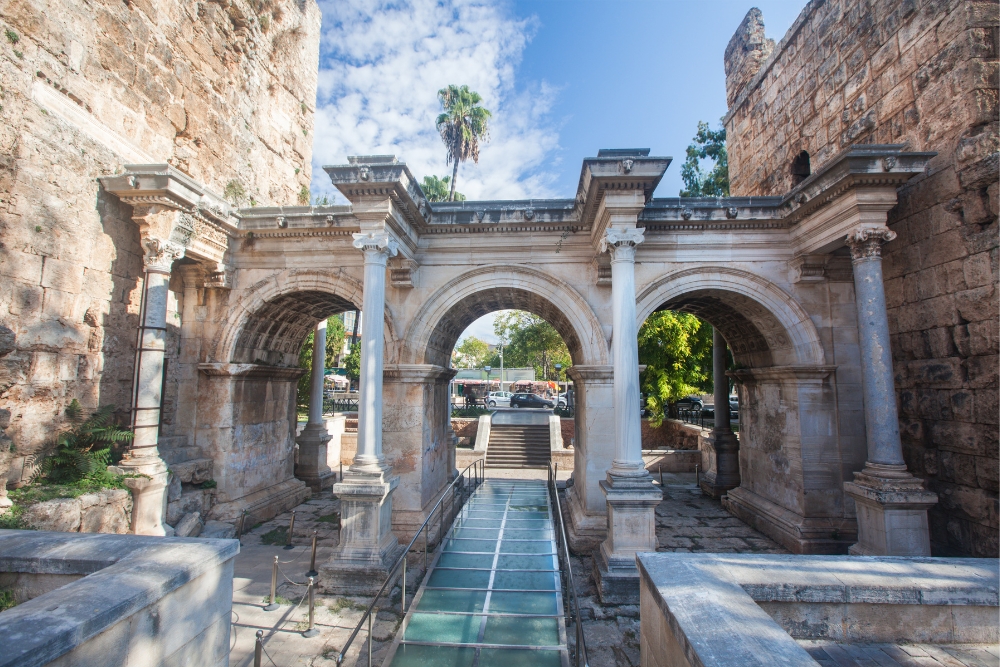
x=341 y=477
x=291 y=529
x=239 y=532
x=371 y=640
x=659 y=469
x=274 y=587
x=402 y=602
x=258 y=649
x=312 y=631
x=697 y=476
x=312 y=561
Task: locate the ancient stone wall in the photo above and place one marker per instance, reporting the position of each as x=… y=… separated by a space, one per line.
x=922 y=73
x=88 y=87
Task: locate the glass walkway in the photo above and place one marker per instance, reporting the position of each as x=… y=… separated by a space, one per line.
x=492 y=596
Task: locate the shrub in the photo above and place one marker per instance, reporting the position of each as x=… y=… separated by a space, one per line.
x=85 y=451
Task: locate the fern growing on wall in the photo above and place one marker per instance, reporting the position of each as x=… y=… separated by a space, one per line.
x=85 y=451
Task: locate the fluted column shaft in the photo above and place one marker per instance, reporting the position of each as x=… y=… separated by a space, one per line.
x=625 y=352
x=318 y=374
x=377 y=249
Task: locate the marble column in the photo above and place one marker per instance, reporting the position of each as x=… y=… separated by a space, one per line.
x=628 y=487
x=726 y=474
x=367 y=548
x=311 y=465
x=891 y=503
x=149 y=492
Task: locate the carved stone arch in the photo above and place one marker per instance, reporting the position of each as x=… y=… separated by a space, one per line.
x=311 y=292
x=763 y=324
x=436 y=328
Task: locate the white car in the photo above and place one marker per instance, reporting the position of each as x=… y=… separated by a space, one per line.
x=499 y=399
x=561 y=402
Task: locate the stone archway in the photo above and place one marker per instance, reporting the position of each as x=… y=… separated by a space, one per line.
x=791 y=457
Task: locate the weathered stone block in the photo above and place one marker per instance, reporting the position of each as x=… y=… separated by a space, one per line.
x=189 y=526
x=61 y=514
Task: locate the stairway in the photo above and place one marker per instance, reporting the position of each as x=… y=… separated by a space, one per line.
x=518 y=446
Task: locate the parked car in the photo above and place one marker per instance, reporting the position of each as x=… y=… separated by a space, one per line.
x=562 y=400
x=529 y=401
x=499 y=399
x=734 y=409
x=690 y=403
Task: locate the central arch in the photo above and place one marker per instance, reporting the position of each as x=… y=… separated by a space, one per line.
x=433 y=333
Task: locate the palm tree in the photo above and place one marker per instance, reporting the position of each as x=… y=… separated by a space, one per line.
x=462 y=125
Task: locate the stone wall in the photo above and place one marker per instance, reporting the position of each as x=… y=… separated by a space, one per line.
x=106 y=511
x=920 y=73
x=88 y=87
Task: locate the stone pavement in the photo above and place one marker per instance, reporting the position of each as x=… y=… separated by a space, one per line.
x=833 y=654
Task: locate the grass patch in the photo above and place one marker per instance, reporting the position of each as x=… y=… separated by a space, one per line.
x=470 y=412
x=281 y=599
x=275 y=537
x=12 y=519
x=7 y=600
x=329 y=518
x=340 y=604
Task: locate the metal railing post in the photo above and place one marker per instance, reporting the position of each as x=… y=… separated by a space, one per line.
x=312 y=631
x=272 y=601
x=371 y=640
x=402 y=601
x=312 y=561
x=697 y=476
x=291 y=529
x=425 y=545
x=258 y=649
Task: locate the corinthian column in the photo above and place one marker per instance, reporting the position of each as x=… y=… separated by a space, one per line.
x=149 y=492
x=311 y=465
x=367 y=548
x=891 y=503
x=629 y=489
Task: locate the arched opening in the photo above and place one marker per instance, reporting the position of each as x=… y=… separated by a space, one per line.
x=792 y=462
x=800 y=168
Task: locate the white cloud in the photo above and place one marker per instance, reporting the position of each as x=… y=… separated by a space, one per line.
x=381 y=65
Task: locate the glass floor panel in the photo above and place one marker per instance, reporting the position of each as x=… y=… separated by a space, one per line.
x=460 y=579
x=505 y=602
x=450 y=628
x=469 y=602
x=499 y=558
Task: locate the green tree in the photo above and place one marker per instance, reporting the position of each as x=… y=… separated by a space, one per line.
x=352 y=362
x=708 y=145
x=436 y=189
x=462 y=124
x=474 y=352
x=531 y=341
x=677 y=351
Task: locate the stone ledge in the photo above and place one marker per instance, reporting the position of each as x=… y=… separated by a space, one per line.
x=124 y=574
x=720 y=609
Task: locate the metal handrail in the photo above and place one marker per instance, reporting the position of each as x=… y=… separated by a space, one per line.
x=480 y=474
x=581 y=643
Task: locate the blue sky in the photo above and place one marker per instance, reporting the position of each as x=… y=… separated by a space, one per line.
x=564 y=78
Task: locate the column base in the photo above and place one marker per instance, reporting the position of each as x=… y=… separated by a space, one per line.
x=584 y=531
x=264 y=504
x=149 y=493
x=311 y=466
x=632 y=505
x=892 y=513
x=799 y=534
x=726 y=476
x=368 y=548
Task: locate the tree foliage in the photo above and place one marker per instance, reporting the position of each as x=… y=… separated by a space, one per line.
x=708 y=145
x=473 y=352
x=462 y=125
x=352 y=362
x=531 y=342
x=436 y=189
x=677 y=351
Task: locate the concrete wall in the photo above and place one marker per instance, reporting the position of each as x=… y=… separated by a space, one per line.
x=923 y=74
x=89 y=87
x=125 y=600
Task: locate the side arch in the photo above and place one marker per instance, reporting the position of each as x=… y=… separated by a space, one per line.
x=435 y=329
x=762 y=323
x=301 y=291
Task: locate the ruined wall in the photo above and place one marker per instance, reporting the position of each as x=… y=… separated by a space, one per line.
x=922 y=73
x=87 y=87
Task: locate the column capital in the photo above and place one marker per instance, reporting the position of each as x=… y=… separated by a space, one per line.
x=621 y=243
x=377 y=246
x=159 y=255
x=866 y=242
